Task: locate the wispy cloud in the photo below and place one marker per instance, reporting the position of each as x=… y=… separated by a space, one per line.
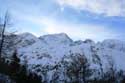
x=79 y=31
x=48 y=25
x=105 y=7
x=66 y=16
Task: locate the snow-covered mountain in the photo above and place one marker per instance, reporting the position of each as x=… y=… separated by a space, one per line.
x=49 y=50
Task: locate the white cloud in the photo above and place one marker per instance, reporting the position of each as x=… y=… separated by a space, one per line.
x=106 y=7
x=79 y=31
x=76 y=31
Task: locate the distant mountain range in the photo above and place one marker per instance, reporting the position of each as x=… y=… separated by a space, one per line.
x=43 y=53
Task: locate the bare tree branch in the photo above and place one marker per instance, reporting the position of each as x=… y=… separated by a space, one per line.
x=3 y=27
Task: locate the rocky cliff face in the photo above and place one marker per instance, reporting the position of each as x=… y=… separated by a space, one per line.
x=43 y=54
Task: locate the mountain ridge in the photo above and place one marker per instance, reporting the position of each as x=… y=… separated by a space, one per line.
x=50 y=50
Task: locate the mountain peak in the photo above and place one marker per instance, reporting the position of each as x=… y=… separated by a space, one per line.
x=56 y=38
x=26 y=34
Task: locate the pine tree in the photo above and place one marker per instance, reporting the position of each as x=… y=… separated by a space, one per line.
x=19 y=72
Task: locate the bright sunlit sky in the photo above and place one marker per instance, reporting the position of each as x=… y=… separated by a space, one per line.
x=80 y=19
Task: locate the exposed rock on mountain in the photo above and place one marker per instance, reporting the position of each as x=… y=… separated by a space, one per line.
x=45 y=55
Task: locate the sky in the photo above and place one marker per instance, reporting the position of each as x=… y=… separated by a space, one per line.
x=79 y=19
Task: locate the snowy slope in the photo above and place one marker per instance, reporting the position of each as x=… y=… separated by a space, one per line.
x=25 y=39
x=49 y=50
x=14 y=42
